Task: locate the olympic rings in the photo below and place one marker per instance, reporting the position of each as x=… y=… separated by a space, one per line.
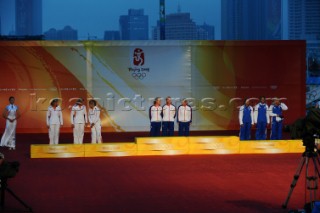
x=138 y=75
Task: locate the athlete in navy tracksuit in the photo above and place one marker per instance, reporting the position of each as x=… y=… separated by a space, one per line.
x=261 y=119
x=155 y=115
x=168 y=116
x=184 y=118
x=246 y=120
x=275 y=111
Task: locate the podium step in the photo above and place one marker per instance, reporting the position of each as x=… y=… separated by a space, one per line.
x=168 y=146
x=110 y=149
x=57 y=151
x=162 y=145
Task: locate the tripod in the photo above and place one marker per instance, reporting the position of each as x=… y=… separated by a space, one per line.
x=311 y=179
x=3 y=189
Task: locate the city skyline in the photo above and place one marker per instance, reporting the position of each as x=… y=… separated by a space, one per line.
x=88 y=18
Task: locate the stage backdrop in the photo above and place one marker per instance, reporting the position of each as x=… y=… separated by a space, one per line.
x=125 y=76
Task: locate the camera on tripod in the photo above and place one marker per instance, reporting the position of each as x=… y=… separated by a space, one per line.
x=307 y=129
x=8 y=169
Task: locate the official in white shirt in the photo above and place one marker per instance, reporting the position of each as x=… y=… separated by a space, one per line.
x=155 y=115
x=184 y=118
x=95 y=123
x=54 y=121
x=168 y=116
x=79 y=119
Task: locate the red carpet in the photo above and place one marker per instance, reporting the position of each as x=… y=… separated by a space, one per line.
x=182 y=184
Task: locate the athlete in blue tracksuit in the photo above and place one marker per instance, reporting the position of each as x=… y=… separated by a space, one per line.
x=275 y=111
x=261 y=119
x=246 y=120
x=155 y=115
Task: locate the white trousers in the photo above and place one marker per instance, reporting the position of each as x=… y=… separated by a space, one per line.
x=78 y=132
x=96 y=133
x=9 y=136
x=54 y=131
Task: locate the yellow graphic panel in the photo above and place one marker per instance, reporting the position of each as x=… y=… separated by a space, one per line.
x=214 y=145
x=110 y=149
x=248 y=147
x=162 y=143
x=297 y=146
x=57 y=151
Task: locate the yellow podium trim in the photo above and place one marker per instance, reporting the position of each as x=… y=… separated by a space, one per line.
x=169 y=146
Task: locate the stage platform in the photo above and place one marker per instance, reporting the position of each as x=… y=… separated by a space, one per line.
x=143 y=146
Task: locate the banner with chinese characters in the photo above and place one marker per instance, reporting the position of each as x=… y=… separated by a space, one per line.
x=125 y=76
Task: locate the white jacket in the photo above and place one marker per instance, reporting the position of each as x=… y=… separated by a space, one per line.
x=283 y=107
x=241 y=114
x=94 y=115
x=79 y=115
x=54 y=115
x=155 y=113
x=168 y=112
x=184 y=114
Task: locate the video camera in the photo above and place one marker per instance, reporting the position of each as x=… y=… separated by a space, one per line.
x=8 y=169
x=307 y=129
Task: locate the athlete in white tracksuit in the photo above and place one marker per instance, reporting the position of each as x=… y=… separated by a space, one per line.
x=95 y=123
x=155 y=115
x=54 y=121
x=168 y=116
x=184 y=118
x=79 y=119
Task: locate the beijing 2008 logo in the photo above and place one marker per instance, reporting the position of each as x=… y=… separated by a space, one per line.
x=138 y=57
x=138 y=71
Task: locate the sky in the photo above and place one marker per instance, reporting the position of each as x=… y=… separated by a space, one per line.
x=95 y=16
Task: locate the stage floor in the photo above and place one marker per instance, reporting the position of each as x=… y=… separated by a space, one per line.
x=175 y=184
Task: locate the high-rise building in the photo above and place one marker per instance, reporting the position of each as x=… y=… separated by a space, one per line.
x=134 y=26
x=67 y=33
x=304 y=19
x=111 y=35
x=7 y=11
x=51 y=34
x=180 y=26
x=251 y=19
x=304 y=24
x=28 y=17
x=205 y=32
